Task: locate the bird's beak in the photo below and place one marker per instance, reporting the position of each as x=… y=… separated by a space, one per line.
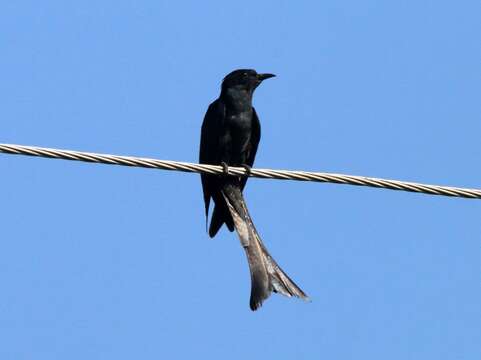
x=262 y=77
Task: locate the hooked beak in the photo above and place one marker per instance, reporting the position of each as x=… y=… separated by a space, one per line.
x=262 y=77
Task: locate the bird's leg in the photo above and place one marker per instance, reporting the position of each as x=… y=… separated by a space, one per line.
x=225 y=168
x=248 y=170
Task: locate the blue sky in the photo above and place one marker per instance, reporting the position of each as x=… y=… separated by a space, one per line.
x=105 y=262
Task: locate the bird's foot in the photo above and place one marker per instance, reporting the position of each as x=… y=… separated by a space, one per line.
x=225 y=168
x=248 y=170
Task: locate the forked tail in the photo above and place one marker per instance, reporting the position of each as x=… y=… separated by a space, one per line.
x=266 y=275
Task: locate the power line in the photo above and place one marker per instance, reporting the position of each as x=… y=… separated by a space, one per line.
x=258 y=173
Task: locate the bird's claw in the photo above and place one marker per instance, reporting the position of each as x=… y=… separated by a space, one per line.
x=225 y=168
x=248 y=170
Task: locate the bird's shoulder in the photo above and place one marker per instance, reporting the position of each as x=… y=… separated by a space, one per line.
x=215 y=113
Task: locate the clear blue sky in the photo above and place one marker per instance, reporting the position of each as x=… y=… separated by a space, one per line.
x=104 y=262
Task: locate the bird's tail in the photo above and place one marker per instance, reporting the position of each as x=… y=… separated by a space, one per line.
x=266 y=275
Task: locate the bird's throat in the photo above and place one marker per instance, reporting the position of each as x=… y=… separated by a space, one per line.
x=239 y=100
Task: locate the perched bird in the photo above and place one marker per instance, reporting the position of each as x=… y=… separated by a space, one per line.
x=230 y=135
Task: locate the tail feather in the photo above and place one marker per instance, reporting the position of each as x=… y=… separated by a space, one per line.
x=266 y=275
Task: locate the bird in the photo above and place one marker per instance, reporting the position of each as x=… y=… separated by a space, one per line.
x=230 y=135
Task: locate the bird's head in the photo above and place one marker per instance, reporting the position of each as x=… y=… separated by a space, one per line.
x=244 y=79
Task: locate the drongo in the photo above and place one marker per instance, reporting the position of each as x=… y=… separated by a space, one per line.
x=230 y=135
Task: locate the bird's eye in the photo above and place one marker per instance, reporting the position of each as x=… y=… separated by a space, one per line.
x=244 y=74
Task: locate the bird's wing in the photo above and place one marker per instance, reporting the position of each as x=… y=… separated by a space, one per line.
x=254 y=143
x=209 y=143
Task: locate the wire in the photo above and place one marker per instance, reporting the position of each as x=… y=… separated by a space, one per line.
x=258 y=173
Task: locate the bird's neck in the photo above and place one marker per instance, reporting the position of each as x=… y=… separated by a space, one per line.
x=237 y=99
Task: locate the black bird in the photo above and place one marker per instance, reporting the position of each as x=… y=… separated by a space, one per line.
x=230 y=135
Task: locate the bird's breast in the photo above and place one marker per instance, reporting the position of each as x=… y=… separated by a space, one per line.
x=240 y=121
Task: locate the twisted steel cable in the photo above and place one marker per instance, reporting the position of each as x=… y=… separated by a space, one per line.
x=258 y=173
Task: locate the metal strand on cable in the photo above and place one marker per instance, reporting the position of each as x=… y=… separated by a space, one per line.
x=258 y=173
